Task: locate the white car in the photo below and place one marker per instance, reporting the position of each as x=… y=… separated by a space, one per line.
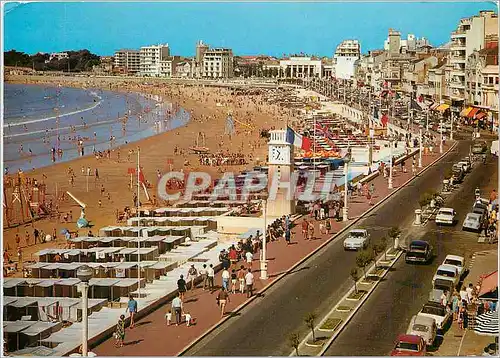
x=447 y=272
x=457 y=261
x=465 y=166
x=437 y=311
x=357 y=239
x=472 y=222
x=424 y=327
x=446 y=216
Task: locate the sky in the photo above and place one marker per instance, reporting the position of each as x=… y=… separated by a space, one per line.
x=248 y=28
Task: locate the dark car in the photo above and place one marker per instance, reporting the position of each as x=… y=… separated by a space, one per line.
x=457 y=173
x=419 y=251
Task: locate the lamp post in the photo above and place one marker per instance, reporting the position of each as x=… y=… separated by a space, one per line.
x=84 y=274
x=451 y=126
x=263 y=261
x=347 y=160
x=427 y=121
x=441 y=137
x=420 y=149
x=390 y=162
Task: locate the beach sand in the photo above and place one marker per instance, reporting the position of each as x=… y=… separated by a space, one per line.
x=209 y=107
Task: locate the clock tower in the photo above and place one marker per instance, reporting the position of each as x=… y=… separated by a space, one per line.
x=280 y=164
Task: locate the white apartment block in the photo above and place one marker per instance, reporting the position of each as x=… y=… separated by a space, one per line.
x=57 y=56
x=127 y=60
x=217 y=63
x=470 y=35
x=346 y=55
x=151 y=58
x=301 y=67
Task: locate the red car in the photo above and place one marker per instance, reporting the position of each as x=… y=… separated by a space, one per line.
x=409 y=345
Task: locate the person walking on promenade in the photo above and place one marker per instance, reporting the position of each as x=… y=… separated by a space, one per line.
x=181 y=286
x=249 y=258
x=222 y=300
x=225 y=279
x=210 y=277
x=305 y=227
x=120 y=332
x=203 y=274
x=192 y=274
x=249 y=283
x=241 y=278
x=311 y=231
x=234 y=281
x=176 y=306
x=132 y=309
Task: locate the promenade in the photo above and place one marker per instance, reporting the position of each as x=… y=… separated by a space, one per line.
x=152 y=336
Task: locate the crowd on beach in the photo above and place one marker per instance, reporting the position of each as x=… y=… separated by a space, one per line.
x=219 y=158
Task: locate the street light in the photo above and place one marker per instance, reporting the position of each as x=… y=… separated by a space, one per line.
x=390 y=163
x=263 y=260
x=451 y=127
x=347 y=160
x=84 y=274
x=441 y=138
x=420 y=149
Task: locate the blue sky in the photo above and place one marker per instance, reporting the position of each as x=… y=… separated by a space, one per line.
x=247 y=28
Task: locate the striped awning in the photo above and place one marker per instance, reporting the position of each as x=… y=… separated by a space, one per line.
x=480 y=115
x=465 y=111
x=434 y=106
x=472 y=113
x=442 y=107
x=487 y=324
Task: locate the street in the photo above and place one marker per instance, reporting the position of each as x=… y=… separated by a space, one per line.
x=262 y=328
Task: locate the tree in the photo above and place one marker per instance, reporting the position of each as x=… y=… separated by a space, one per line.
x=355 y=278
x=383 y=246
x=376 y=249
x=309 y=320
x=362 y=260
x=294 y=340
x=393 y=233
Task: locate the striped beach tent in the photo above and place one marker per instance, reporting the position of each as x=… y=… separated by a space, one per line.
x=487 y=324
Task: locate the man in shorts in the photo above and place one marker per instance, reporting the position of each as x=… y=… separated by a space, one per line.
x=132 y=309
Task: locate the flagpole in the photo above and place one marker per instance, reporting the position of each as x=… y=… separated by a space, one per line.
x=138 y=224
x=314 y=146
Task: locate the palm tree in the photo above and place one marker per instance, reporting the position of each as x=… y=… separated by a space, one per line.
x=309 y=319
x=294 y=342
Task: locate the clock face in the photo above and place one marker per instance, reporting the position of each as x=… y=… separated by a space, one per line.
x=279 y=155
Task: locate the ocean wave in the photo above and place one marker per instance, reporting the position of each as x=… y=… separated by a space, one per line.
x=16 y=124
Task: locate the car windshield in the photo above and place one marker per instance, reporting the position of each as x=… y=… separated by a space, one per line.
x=445 y=212
x=472 y=218
x=445 y=273
x=357 y=234
x=417 y=247
x=416 y=254
x=420 y=328
x=453 y=262
x=435 y=311
x=407 y=346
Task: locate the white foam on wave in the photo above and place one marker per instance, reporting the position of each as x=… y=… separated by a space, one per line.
x=59 y=116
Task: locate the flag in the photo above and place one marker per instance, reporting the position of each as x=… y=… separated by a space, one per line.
x=142 y=179
x=421 y=98
x=385 y=120
x=298 y=140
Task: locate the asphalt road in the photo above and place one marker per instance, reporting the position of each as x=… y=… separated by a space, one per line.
x=388 y=311
x=263 y=326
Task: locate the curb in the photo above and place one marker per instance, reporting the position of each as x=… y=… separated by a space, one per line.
x=308 y=256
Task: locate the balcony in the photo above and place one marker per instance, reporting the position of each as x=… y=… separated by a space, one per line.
x=458 y=34
x=457 y=84
x=458 y=47
x=458 y=59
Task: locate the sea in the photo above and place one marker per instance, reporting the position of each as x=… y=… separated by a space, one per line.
x=41 y=119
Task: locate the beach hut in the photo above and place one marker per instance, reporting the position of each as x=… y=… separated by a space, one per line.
x=67 y=288
x=111 y=231
x=25 y=307
x=11 y=331
x=101 y=287
x=37 y=331
x=45 y=288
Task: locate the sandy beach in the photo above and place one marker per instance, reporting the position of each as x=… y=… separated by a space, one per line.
x=209 y=108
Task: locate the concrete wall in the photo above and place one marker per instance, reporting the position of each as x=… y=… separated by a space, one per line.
x=240 y=225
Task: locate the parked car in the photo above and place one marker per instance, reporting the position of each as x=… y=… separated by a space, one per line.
x=440 y=286
x=418 y=251
x=357 y=239
x=479 y=147
x=472 y=222
x=447 y=272
x=494 y=148
x=481 y=211
x=409 y=345
x=424 y=327
x=466 y=165
x=437 y=311
x=446 y=216
x=457 y=173
x=457 y=261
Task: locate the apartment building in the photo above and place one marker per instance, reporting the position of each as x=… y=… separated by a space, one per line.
x=217 y=63
x=153 y=59
x=127 y=61
x=345 y=57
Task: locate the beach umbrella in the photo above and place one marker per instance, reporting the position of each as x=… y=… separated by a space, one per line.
x=487 y=324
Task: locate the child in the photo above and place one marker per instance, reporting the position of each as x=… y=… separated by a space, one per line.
x=233 y=281
x=168 y=317
x=120 y=331
x=187 y=317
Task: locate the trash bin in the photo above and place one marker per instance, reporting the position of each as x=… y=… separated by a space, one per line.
x=418 y=217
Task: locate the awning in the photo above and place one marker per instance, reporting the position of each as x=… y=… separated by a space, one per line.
x=442 y=107
x=487 y=324
x=434 y=106
x=489 y=283
x=472 y=113
x=480 y=115
x=465 y=111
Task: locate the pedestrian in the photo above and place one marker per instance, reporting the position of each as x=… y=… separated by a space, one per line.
x=192 y=274
x=176 y=307
x=241 y=278
x=225 y=279
x=222 y=300
x=188 y=318
x=234 y=280
x=288 y=235
x=455 y=305
x=328 y=225
x=120 y=332
x=168 y=317
x=203 y=274
x=369 y=197
x=305 y=227
x=132 y=309
x=249 y=258
x=322 y=227
x=181 y=286
x=210 y=277
x=413 y=169
x=311 y=231
x=470 y=291
x=249 y=283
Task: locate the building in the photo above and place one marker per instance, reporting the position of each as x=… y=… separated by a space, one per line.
x=152 y=58
x=217 y=63
x=185 y=68
x=105 y=67
x=471 y=34
x=301 y=67
x=168 y=66
x=58 y=56
x=201 y=48
x=411 y=44
x=436 y=82
x=327 y=68
x=127 y=61
x=346 y=54
x=416 y=75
